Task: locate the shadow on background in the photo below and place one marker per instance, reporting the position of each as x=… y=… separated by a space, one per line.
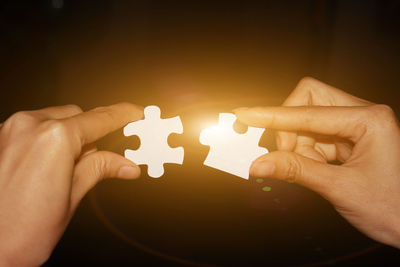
x=196 y=59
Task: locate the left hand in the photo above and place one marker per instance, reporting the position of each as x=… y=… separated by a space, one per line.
x=48 y=162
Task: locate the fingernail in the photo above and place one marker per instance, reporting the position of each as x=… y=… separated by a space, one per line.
x=262 y=168
x=129 y=172
x=239 y=109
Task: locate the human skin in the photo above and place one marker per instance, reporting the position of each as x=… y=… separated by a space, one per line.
x=48 y=162
x=319 y=124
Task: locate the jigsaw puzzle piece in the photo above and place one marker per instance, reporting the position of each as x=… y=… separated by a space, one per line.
x=152 y=113
x=208 y=135
x=154 y=150
x=133 y=128
x=155 y=167
x=174 y=125
x=254 y=133
x=230 y=151
x=218 y=133
x=226 y=120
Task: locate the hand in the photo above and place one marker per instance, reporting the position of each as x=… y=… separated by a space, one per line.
x=319 y=124
x=48 y=162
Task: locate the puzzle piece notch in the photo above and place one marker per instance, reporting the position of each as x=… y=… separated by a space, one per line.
x=229 y=151
x=154 y=150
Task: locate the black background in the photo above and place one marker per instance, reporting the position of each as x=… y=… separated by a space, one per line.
x=196 y=59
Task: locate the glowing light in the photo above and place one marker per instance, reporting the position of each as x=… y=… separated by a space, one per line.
x=216 y=130
x=229 y=151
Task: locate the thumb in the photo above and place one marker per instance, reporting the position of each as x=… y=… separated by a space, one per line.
x=292 y=167
x=96 y=166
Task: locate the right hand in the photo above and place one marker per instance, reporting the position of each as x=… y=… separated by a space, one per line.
x=319 y=124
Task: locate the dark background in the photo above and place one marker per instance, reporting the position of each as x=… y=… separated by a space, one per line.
x=196 y=59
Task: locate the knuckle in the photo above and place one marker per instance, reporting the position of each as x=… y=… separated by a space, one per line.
x=75 y=108
x=307 y=80
x=100 y=166
x=57 y=128
x=293 y=170
x=381 y=116
x=105 y=111
x=383 y=110
x=20 y=121
x=54 y=132
x=22 y=116
x=306 y=83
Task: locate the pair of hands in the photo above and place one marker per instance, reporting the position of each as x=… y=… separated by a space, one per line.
x=48 y=162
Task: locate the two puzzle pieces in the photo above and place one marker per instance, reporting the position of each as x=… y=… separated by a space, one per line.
x=229 y=151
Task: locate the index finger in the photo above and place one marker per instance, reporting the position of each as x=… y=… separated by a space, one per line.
x=96 y=123
x=345 y=122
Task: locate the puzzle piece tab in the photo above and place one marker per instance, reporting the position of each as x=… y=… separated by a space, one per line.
x=229 y=151
x=153 y=133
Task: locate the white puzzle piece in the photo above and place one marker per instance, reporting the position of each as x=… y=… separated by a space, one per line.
x=230 y=151
x=154 y=150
